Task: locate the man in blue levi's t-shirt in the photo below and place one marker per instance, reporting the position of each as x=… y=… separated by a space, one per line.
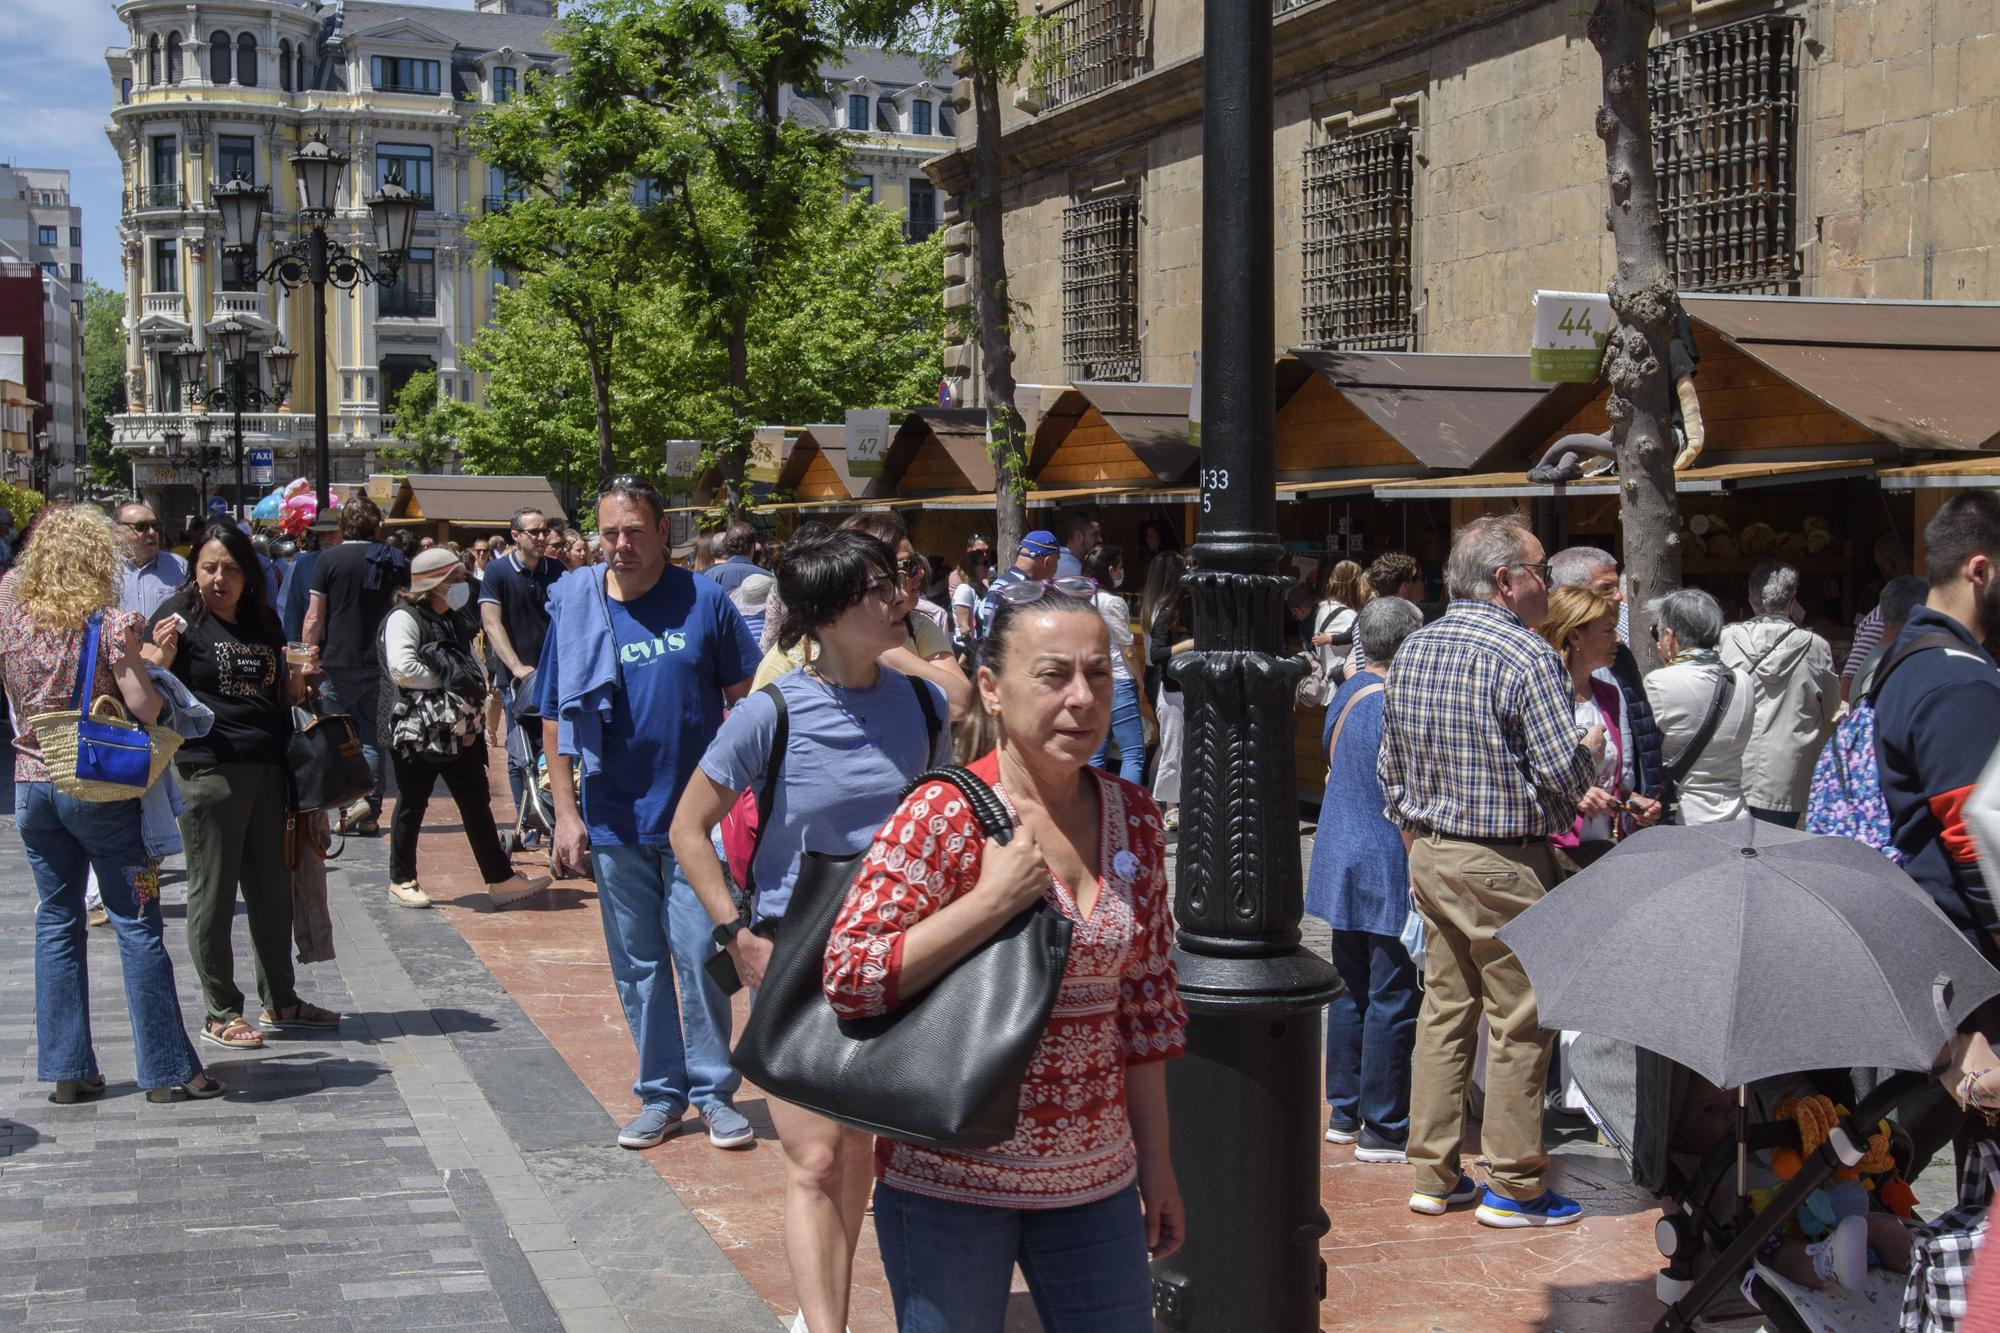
x=639 y=660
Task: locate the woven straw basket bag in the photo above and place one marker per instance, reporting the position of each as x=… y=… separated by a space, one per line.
x=64 y=737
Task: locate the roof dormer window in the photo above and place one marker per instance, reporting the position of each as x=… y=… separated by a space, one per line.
x=920 y=117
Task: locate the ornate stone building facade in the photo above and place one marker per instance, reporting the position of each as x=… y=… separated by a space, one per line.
x=1437 y=165
x=209 y=89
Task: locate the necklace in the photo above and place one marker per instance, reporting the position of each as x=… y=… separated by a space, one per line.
x=840 y=694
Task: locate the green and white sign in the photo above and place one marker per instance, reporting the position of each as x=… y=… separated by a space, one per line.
x=867 y=442
x=1570 y=331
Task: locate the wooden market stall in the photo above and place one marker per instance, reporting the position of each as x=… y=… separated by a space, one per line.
x=464 y=508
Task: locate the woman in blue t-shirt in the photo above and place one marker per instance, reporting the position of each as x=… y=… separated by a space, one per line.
x=856 y=733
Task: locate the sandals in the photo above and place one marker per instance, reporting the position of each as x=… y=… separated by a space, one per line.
x=199 y=1088
x=235 y=1035
x=299 y=1014
x=72 y=1090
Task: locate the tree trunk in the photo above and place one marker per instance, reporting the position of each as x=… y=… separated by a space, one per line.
x=1006 y=435
x=600 y=395
x=1642 y=294
x=736 y=460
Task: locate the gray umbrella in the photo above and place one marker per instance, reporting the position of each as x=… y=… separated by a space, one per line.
x=1743 y=950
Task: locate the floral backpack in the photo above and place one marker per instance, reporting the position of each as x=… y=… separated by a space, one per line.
x=1846 y=799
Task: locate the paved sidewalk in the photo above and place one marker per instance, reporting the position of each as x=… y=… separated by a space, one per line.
x=1388 y=1268
x=434 y=1164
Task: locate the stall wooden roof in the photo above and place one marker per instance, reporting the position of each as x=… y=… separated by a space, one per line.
x=809 y=472
x=940 y=451
x=475 y=502
x=1445 y=411
x=1733 y=476
x=1128 y=435
x=1923 y=375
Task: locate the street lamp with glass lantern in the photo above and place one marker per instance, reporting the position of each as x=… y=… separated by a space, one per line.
x=234 y=388
x=316 y=259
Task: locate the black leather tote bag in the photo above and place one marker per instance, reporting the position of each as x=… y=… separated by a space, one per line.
x=324 y=755
x=945 y=1069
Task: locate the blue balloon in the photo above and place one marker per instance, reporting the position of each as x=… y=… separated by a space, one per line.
x=268 y=507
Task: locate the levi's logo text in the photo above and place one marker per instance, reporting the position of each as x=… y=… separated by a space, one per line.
x=645 y=650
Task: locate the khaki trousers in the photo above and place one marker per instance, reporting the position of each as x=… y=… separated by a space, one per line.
x=1465 y=891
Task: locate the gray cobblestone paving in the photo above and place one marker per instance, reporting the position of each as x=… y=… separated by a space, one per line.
x=433 y=1164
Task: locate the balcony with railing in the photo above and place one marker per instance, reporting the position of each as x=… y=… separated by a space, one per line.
x=1088 y=46
x=401 y=302
x=163 y=305
x=247 y=304
x=149 y=198
x=498 y=203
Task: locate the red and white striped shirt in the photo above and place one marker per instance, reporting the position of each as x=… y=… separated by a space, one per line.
x=1119 y=1004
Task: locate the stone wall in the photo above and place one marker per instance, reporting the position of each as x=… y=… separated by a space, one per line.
x=1899 y=164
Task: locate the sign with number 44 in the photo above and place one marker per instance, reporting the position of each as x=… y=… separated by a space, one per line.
x=1570 y=330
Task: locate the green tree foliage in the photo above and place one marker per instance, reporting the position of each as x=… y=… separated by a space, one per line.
x=104 y=383
x=427 y=426
x=855 y=318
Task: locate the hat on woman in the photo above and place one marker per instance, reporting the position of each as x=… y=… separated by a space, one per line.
x=431 y=568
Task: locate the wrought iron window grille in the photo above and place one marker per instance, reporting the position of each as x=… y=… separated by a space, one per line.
x=1100 y=288
x=1088 y=46
x=1725 y=144
x=1357 y=218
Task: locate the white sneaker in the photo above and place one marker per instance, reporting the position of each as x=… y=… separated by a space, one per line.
x=355 y=811
x=410 y=894
x=511 y=891
x=1335 y=1134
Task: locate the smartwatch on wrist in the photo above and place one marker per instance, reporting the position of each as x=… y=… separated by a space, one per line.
x=726 y=932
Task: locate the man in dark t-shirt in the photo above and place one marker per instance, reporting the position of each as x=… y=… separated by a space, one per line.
x=353 y=586
x=514 y=612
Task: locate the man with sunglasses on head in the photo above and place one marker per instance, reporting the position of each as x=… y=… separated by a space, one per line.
x=152 y=573
x=1035 y=559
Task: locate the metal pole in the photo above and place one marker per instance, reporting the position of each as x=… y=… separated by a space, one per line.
x=1245 y=1102
x=316 y=274
x=236 y=432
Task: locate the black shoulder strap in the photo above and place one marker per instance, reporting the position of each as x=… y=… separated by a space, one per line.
x=931 y=723
x=1922 y=643
x=987 y=808
x=767 y=791
x=1681 y=764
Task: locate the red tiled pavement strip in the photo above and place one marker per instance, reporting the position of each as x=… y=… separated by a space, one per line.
x=1388 y=1269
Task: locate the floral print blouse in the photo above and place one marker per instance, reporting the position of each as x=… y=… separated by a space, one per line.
x=1118 y=1005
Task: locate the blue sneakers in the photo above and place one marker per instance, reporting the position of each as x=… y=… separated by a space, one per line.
x=649 y=1129
x=727 y=1128
x=1547 y=1209
x=1434 y=1205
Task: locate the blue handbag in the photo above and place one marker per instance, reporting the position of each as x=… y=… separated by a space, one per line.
x=98 y=753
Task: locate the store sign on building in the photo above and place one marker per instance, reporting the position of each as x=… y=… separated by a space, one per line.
x=867 y=442
x=1570 y=330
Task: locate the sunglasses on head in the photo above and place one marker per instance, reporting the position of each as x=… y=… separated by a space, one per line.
x=1029 y=591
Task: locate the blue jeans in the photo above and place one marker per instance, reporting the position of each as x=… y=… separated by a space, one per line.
x=1371 y=1028
x=357 y=695
x=654 y=927
x=1128 y=730
x=64 y=839
x=949 y=1264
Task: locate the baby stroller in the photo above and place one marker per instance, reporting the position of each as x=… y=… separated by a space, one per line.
x=1710 y=1240
x=533 y=813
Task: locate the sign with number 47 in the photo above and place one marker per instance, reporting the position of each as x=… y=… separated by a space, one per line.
x=1570 y=331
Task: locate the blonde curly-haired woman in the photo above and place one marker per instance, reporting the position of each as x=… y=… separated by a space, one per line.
x=66 y=579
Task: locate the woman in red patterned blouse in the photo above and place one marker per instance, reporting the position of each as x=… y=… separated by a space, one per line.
x=1085 y=1191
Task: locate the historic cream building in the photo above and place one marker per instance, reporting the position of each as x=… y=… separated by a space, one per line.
x=1437 y=165
x=209 y=89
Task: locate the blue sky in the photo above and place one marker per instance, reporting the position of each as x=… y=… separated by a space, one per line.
x=55 y=99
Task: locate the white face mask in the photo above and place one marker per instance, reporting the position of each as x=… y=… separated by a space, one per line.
x=455 y=596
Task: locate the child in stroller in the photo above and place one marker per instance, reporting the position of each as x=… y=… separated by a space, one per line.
x=1691 y=1144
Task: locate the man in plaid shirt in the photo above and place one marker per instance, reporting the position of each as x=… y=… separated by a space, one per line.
x=1482 y=760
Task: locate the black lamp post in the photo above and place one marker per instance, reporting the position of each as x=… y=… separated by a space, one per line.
x=315 y=258
x=201 y=463
x=1245 y=1102
x=235 y=390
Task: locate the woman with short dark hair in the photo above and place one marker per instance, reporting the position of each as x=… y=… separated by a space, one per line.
x=856 y=732
x=218 y=635
x=1085 y=1192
